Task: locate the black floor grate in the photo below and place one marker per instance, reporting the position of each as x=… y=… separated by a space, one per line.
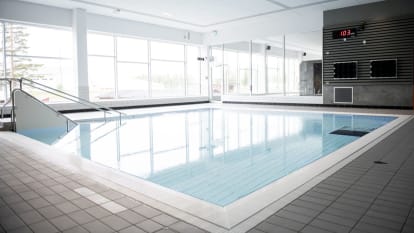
x=351 y=132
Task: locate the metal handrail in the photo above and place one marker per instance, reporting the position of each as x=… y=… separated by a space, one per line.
x=9 y=100
x=68 y=98
x=65 y=95
x=3 y=107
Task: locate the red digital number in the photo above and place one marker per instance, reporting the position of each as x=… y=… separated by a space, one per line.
x=345 y=33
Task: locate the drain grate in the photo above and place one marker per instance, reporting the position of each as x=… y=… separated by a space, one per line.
x=348 y=132
x=351 y=131
x=380 y=162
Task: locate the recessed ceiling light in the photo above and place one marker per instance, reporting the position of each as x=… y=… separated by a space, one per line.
x=166 y=14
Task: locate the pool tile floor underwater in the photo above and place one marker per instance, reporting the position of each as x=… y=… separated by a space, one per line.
x=38 y=196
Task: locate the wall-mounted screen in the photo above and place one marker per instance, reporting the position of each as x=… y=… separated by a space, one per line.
x=384 y=68
x=345 y=70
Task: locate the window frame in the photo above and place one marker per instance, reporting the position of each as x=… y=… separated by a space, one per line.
x=8 y=57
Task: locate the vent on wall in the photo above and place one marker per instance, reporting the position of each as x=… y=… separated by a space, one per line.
x=343 y=95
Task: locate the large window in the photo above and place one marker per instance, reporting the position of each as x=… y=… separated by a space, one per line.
x=167 y=78
x=193 y=71
x=101 y=66
x=217 y=71
x=122 y=67
x=292 y=76
x=244 y=72
x=41 y=54
x=3 y=85
x=230 y=72
x=275 y=74
x=167 y=69
x=132 y=68
x=254 y=68
x=258 y=73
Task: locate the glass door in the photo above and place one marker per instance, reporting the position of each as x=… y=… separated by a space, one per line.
x=217 y=73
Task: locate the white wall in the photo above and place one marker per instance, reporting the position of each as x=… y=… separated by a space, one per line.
x=40 y=14
x=299 y=20
x=270 y=25
x=150 y=31
x=34 y=13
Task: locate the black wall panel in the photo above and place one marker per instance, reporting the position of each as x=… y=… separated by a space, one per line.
x=375 y=40
x=393 y=39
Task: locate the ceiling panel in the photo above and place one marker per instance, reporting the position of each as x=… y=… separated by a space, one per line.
x=210 y=15
x=199 y=12
x=310 y=42
x=296 y=3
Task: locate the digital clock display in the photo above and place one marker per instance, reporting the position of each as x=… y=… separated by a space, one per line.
x=344 y=33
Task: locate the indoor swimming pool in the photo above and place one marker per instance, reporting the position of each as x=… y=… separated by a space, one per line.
x=216 y=155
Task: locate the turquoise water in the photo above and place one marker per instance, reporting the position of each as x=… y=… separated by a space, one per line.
x=46 y=135
x=216 y=155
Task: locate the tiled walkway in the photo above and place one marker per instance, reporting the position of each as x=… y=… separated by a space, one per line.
x=38 y=196
x=364 y=196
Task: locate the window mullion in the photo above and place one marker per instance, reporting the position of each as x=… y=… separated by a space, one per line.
x=116 y=68
x=149 y=70
x=185 y=72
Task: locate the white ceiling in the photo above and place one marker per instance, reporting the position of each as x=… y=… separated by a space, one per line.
x=264 y=21
x=197 y=15
x=310 y=42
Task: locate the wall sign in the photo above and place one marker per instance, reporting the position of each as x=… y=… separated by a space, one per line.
x=344 y=33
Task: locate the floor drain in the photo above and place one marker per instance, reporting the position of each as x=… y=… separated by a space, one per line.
x=380 y=162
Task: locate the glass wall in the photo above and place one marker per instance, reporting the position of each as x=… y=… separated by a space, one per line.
x=308 y=70
x=3 y=87
x=133 y=68
x=230 y=72
x=193 y=71
x=217 y=71
x=258 y=69
x=275 y=74
x=236 y=65
x=41 y=54
x=101 y=66
x=205 y=72
x=167 y=69
x=286 y=65
x=292 y=76
x=244 y=72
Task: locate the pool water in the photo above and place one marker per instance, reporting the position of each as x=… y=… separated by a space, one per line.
x=213 y=154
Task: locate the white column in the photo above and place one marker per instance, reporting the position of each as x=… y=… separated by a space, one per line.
x=222 y=69
x=209 y=73
x=80 y=55
x=265 y=70
x=251 y=66
x=284 y=65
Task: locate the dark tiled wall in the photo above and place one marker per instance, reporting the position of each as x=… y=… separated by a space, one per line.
x=387 y=37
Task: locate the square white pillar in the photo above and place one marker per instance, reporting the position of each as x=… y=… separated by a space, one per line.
x=80 y=55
